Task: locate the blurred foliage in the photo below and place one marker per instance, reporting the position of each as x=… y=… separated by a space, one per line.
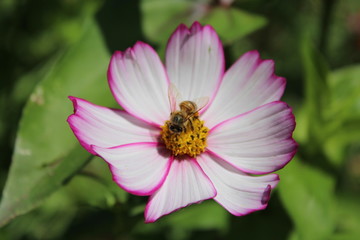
x=52 y=162
x=53 y=189
x=311 y=206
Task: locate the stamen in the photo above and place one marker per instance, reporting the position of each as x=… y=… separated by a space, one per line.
x=191 y=141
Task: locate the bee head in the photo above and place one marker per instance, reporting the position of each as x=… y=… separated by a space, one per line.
x=175 y=128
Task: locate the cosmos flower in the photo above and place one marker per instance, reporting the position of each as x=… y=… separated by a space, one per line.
x=230 y=133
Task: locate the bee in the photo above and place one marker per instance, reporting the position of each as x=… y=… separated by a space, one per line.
x=181 y=120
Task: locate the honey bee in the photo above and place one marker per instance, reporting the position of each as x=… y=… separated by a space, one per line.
x=181 y=120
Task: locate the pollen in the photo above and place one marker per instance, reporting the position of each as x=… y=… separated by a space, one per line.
x=191 y=141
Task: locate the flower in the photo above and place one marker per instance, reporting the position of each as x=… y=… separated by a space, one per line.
x=155 y=148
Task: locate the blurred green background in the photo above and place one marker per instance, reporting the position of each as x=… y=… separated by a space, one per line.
x=53 y=189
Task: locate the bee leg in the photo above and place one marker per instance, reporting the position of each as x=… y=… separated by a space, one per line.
x=185 y=128
x=191 y=124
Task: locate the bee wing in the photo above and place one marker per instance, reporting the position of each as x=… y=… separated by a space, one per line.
x=174 y=97
x=201 y=102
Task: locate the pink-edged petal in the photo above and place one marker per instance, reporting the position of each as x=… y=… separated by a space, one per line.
x=138 y=168
x=105 y=127
x=139 y=83
x=195 y=61
x=259 y=141
x=237 y=192
x=249 y=83
x=185 y=184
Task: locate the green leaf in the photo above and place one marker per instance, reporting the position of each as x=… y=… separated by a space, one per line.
x=336 y=146
x=57 y=212
x=49 y=221
x=201 y=216
x=345 y=94
x=343 y=112
x=232 y=24
x=26 y=84
x=98 y=169
x=345 y=88
x=46 y=152
x=301 y=133
x=208 y=215
x=348 y=218
x=161 y=17
x=308 y=196
x=294 y=236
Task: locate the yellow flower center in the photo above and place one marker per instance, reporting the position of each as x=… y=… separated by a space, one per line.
x=191 y=141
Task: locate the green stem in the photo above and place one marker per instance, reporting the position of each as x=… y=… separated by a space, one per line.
x=327 y=11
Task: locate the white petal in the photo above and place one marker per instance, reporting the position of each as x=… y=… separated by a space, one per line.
x=139 y=83
x=138 y=168
x=259 y=141
x=185 y=184
x=105 y=127
x=237 y=192
x=248 y=84
x=195 y=61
